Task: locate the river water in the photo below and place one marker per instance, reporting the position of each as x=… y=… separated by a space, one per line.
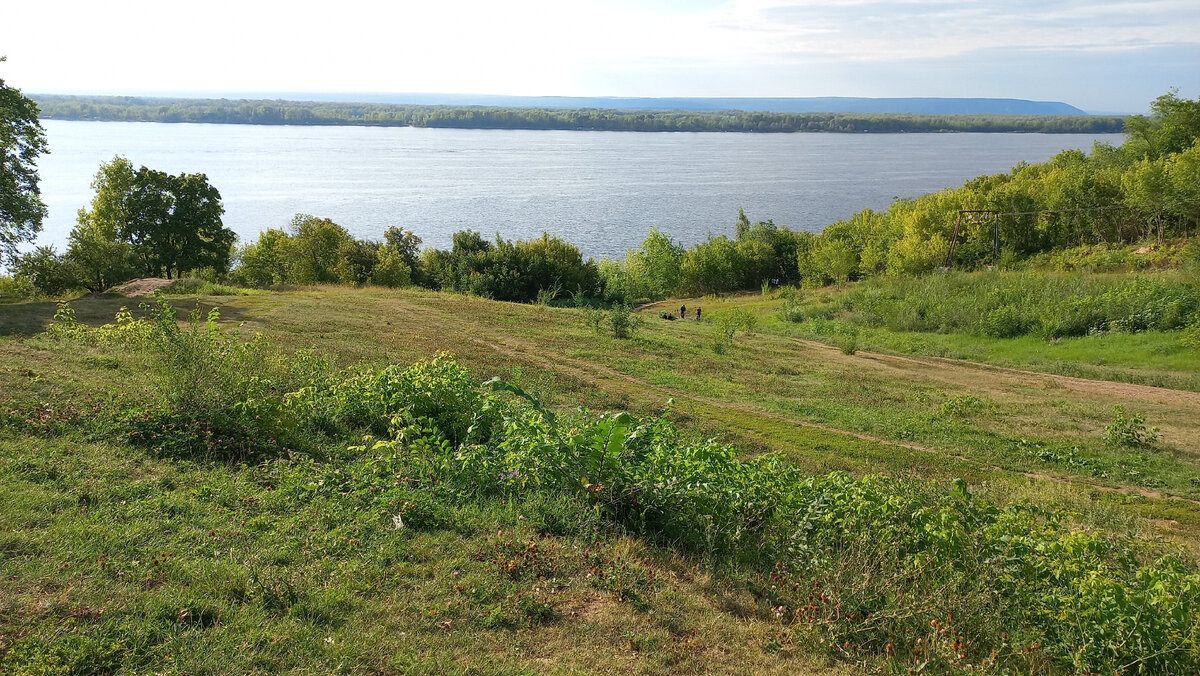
x=599 y=190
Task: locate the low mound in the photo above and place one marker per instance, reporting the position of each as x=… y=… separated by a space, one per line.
x=142 y=287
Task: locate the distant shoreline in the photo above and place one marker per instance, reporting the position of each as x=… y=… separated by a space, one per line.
x=316 y=113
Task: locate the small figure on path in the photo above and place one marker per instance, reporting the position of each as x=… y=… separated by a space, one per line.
x=697 y=314
x=683 y=312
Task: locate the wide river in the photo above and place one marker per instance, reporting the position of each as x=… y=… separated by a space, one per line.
x=599 y=190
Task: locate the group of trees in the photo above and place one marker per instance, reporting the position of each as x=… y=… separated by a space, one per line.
x=318 y=251
x=224 y=111
x=148 y=223
x=1149 y=187
x=142 y=223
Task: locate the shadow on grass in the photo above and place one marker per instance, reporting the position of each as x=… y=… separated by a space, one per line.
x=32 y=318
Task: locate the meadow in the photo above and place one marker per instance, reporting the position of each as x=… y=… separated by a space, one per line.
x=318 y=479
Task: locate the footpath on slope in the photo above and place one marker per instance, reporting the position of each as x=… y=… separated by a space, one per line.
x=965 y=371
x=587 y=370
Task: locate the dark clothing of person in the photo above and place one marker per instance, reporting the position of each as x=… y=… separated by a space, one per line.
x=697 y=314
x=683 y=312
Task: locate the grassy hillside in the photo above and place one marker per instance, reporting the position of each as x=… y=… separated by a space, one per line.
x=124 y=553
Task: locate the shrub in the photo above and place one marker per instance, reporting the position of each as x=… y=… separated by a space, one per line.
x=1191 y=335
x=623 y=321
x=790 y=309
x=593 y=317
x=16 y=288
x=847 y=342
x=218 y=396
x=1129 y=429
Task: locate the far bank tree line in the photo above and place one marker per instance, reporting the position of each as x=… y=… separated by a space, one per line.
x=146 y=223
x=272 y=112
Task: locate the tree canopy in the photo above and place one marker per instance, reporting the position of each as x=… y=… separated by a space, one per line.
x=22 y=139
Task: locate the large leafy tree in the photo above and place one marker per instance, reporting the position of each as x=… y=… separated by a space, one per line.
x=166 y=224
x=22 y=139
x=174 y=223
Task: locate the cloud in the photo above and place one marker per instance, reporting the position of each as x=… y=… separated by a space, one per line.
x=885 y=30
x=605 y=47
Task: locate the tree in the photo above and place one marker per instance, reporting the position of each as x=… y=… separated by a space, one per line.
x=836 y=258
x=174 y=223
x=400 y=246
x=22 y=139
x=1183 y=170
x=265 y=262
x=392 y=270
x=407 y=245
x=48 y=272
x=97 y=255
x=1173 y=126
x=656 y=264
x=316 y=247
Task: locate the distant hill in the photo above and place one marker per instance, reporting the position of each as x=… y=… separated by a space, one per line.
x=823 y=104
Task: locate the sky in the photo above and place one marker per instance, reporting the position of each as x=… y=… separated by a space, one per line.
x=1100 y=55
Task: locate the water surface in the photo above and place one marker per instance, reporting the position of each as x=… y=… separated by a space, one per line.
x=599 y=190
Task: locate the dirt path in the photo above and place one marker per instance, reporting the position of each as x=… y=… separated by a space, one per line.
x=965 y=372
x=960 y=373
x=588 y=371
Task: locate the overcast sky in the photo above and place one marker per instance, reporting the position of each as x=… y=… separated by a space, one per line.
x=1100 y=55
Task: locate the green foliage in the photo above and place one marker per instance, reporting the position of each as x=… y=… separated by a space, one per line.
x=1019 y=303
x=623 y=322
x=506 y=270
x=653 y=269
x=961 y=405
x=1190 y=337
x=16 y=288
x=790 y=309
x=202 y=287
x=144 y=222
x=1173 y=126
x=848 y=342
x=46 y=271
x=1129 y=429
x=22 y=139
x=592 y=316
x=219 y=396
x=174 y=223
x=316 y=250
x=393 y=269
x=265 y=262
x=857 y=563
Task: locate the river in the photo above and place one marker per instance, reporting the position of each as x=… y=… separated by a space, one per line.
x=599 y=190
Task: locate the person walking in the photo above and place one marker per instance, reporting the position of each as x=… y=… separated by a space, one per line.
x=683 y=312
x=697 y=314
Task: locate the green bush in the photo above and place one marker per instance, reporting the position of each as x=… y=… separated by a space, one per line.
x=1129 y=429
x=623 y=322
x=218 y=396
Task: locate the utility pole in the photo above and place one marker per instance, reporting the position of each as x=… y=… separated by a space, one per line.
x=975 y=216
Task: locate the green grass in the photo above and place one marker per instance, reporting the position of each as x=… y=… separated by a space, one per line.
x=1017 y=440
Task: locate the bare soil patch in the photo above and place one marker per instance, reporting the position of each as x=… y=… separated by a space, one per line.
x=142 y=287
